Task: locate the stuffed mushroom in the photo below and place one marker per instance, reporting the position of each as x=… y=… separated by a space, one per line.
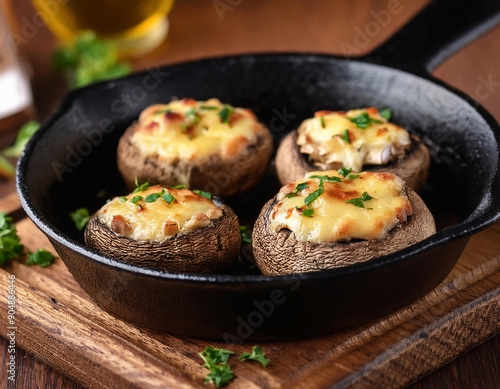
x=362 y=139
x=200 y=144
x=332 y=219
x=166 y=228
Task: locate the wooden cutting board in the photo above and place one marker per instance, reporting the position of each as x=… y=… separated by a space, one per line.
x=58 y=323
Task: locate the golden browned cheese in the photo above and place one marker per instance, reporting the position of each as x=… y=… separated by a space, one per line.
x=363 y=205
x=158 y=220
x=188 y=129
x=332 y=140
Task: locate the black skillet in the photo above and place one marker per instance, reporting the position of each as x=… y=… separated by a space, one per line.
x=72 y=159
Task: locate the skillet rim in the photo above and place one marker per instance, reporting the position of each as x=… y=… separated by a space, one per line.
x=464 y=229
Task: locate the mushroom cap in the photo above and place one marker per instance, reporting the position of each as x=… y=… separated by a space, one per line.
x=278 y=253
x=202 y=250
x=413 y=168
x=220 y=176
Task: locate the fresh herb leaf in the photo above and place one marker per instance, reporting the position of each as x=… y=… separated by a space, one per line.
x=314 y=195
x=41 y=257
x=179 y=187
x=225 y=112
x=328 y=178
x=363 y=120
x=123 y=199
x=308 y=212
x=89 y=59
x=164 y=110
x=216 y=360
x=10 y=243
x=80 y=217
x=353 y=176
x=256 y=355
x=212 y=355
x=301 y=186
x=141 y=187
x=386 y=114
x=208 y=107
x=322 y=119
x=246 y=234
x=152 y=197
x=208 y=195
x=359 y=201
x=6 y=168
x=167 y=196
x=344 y=171
x=23 y=136
x=220 y=374
x=136 y=199
x=345 y=136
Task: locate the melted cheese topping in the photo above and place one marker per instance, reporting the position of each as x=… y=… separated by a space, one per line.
x=189 y=129
x=324 y=138
x=158 y=220
x=334 y=219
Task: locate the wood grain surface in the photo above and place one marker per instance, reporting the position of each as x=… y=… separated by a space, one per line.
x=197 y=31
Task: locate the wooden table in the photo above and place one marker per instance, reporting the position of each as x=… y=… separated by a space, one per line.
x=198 y=31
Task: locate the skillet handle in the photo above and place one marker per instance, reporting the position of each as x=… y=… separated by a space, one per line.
x=441 y=29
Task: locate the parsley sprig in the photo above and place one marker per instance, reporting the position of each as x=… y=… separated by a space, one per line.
x=256 y=355
x=346 y=173
x=345 y=136
x=359 y=201
x=327 y=178
x=140 y=188
x=80 y=217
x=216 y=361
x=301 y=186
x=10 y=243
x=41 y=257
x=363 y=120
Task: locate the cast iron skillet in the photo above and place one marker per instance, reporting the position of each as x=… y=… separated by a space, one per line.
x=72 y=159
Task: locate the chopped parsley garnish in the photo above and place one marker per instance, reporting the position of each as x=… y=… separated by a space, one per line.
x=363 y=120
x=301 y=186
x=344 y=171
x=246 y=234
x=328 y=178
x=386 y=114
x=345 y=136
x=314 y=195
x=359 y=201
x=225 y=112
x=80 y=217
x=136 y=199
x=308 y=212
x=164 y=110
x=141 y=187
x=216 y=361
x=192 y=116
x=208 y=195
x=256 y=355
x=208 y=107
x=179 y=187
x=123 y=199
x=322 y=119
x=41 y=257
x=10 y=243
x=152 y=197
x=167 y=196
